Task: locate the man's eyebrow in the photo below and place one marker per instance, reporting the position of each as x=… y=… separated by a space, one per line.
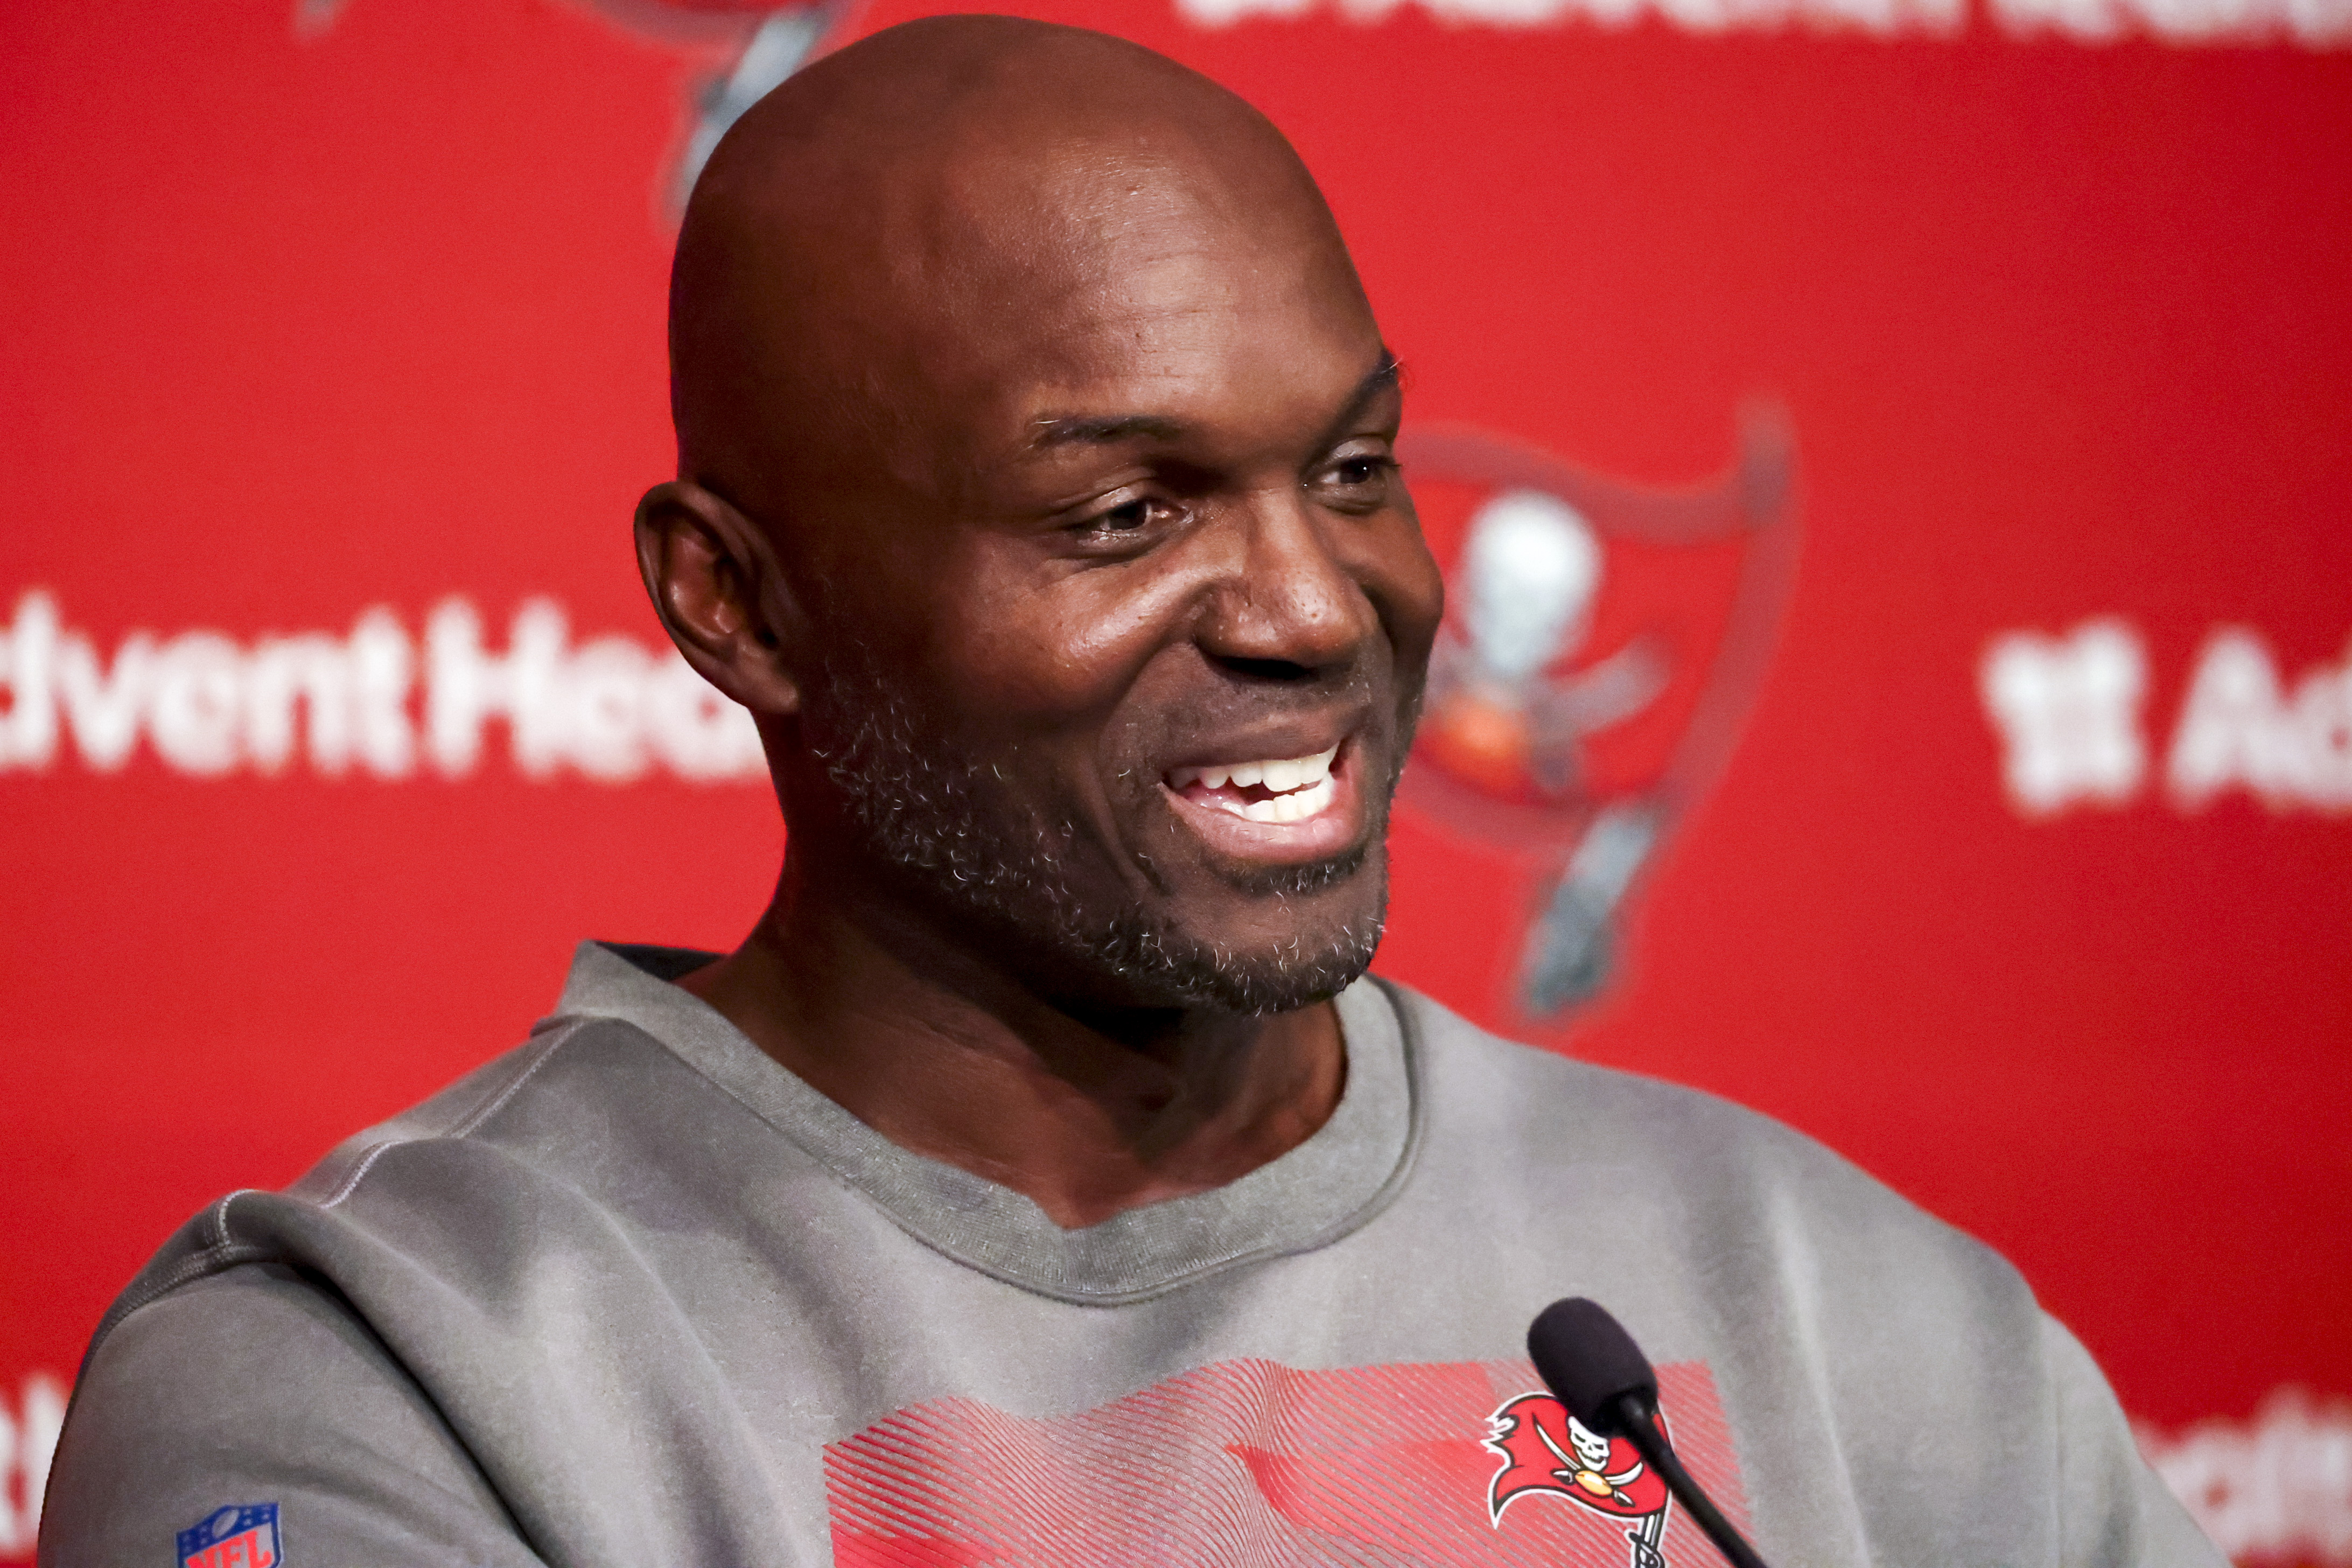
x=1055 y=431
x=1379 y=379
x=1063 y=430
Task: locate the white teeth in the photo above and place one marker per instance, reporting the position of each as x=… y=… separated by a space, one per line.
x=1280 y=774
x=1296 y=806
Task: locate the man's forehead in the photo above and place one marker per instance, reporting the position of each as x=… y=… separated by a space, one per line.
x=1203 y=329
x=1079 y=249
x=1089 y=256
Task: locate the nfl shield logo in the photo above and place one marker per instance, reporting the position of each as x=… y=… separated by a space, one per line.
x=239 y=1536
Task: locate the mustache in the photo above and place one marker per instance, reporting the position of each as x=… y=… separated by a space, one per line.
x=1245 y=699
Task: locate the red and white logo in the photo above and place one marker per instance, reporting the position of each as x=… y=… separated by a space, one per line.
x=1602 y=644
x=1545 y=1450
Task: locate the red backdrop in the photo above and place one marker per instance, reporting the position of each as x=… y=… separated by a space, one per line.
x=2025 y=885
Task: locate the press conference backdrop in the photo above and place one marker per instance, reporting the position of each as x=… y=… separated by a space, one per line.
x=1892 y=457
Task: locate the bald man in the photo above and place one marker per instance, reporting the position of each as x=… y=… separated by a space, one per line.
x=1042 y=1182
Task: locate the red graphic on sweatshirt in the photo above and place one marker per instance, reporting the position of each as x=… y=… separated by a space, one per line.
x=1545 y=1449
x=1243 y=1462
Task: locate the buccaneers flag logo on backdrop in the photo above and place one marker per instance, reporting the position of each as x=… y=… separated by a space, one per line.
x=1602 y=644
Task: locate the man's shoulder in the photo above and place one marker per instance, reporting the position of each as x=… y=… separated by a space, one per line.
x=540 y=1078
x=1575 y=1105
x=1539 y=1132
x=517 y=1135
x=190 y=1416
x=428 y=1263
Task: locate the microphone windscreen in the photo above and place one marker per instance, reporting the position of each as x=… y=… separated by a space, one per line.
x=1589 y=1360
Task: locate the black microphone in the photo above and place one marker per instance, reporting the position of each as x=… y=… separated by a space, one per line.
x=1594 y=1368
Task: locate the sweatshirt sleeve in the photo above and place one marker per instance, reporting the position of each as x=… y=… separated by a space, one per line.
x=2113 y=1511
x=250 y=1418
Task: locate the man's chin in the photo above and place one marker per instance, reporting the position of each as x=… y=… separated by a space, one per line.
x=1311 y=934
x=1251 y=985
x=1241 y=934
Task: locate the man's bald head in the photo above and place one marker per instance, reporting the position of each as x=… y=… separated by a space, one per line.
x=893 y=230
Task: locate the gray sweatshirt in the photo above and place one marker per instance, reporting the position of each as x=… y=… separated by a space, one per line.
x=634 y=1294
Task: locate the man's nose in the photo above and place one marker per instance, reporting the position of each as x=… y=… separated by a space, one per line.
x=1286 y=605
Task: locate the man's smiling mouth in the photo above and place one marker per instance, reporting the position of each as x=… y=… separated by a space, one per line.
x=1270 y=790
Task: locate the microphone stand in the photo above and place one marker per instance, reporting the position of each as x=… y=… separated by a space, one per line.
x=1635 y=1417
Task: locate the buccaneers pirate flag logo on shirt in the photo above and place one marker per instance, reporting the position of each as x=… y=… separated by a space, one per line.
x=1545 y=1449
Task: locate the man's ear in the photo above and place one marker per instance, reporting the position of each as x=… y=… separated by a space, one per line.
x=713 y=579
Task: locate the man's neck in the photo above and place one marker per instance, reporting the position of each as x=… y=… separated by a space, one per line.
x=945 y=1055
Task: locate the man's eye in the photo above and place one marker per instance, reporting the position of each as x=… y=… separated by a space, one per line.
x=1359 y=471
x=1127 y=517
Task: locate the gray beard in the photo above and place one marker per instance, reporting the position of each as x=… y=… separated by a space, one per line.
x=934 y=811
